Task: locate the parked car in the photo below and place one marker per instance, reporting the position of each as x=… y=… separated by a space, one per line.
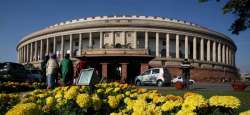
x=34 y=75
x=154 y=76
x=10 y=71
x=179 y=79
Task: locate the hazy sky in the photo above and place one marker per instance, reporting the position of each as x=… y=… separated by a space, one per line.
x=21 y=17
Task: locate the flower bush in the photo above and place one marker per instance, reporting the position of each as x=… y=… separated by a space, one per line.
x=9 y=87
x=121 y=99
x=7 y=101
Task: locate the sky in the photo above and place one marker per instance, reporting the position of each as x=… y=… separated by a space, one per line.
x=21 y=17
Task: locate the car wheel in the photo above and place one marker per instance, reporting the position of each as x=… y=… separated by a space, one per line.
x=159 y=83
x=138 y=83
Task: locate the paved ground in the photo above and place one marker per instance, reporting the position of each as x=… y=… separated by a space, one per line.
x=201 y=86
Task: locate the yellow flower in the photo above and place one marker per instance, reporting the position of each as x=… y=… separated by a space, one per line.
x=96 y=102
x=142 y=90
x=194 y=101
x=170 y=105
x=71 y=93
x=83 y=100
x=174 y=98
x=185 y=112
x=225 y=101
x=116 y=90
x=25 y=109
x=113 y=101
x=50 y=101
x=245 y=112
x=189 y=94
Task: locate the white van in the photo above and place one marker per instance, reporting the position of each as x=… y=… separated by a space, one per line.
x=154 y=76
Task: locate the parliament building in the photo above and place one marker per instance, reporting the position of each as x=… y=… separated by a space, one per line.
x=132 y=44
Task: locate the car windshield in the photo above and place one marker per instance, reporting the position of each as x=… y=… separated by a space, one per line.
x=155 y=71
x=146 y=72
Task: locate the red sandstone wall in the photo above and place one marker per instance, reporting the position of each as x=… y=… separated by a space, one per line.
x=206 y=75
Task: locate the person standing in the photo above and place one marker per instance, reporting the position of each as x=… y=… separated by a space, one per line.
x=66 y=67
x=43 y=68
x=51 y=71
x=78 y=67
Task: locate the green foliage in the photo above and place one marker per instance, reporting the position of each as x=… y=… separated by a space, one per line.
x=239 y=8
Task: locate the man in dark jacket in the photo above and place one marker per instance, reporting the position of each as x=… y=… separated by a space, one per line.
x=43 y=68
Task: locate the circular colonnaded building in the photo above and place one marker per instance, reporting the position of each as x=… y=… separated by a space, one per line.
x=132 y=44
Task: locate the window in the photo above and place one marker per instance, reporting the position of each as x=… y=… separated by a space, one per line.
x=76 y=43
x=146 y=72
x=164 y=42
x=106 y=35
x=155 y=71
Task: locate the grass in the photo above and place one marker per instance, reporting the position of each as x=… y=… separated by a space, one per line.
x=243 y=96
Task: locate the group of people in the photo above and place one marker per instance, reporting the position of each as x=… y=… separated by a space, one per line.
x=60 y=74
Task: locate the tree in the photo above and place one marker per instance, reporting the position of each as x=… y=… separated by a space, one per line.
x=239 y=8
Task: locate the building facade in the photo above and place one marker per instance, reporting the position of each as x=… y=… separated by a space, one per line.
x=131 y=44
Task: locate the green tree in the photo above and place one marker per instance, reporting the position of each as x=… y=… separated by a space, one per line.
x=239 y=8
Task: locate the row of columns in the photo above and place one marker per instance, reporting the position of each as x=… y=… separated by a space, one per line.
x=221 y=52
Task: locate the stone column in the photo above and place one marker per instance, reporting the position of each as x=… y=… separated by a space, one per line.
x=104 y=71
x=24 y=54
x=219 y=52
x=167 y=45
x=90 y=40
x=208 y=50
x=146 y=40
x=144 y=67
x=177 y=50
x=226 y=54
x=157 y=44
x=62 y=47
x=202 y=49
x=214 y=51
x=20 y=55
x=47 y=46
x=229 y=56
x=54 y=45
x=194 y=48
x=113 y=38
x=71 y=45
x=28 y=53
x=124 y=72
x=31 y=51
x=41 y=50
x=186 y=47
x=233 y=53
x=36 y=59
x=101 y=40
x=80 y=44
x=223 y=54
x=135 y=39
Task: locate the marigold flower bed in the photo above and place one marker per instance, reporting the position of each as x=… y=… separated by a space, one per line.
x=10 y=87
x=120 y=99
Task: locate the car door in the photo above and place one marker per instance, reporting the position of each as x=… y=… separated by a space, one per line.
x=145 y=76
x=154 y=75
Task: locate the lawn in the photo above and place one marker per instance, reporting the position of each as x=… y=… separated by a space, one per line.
x=243 y=96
